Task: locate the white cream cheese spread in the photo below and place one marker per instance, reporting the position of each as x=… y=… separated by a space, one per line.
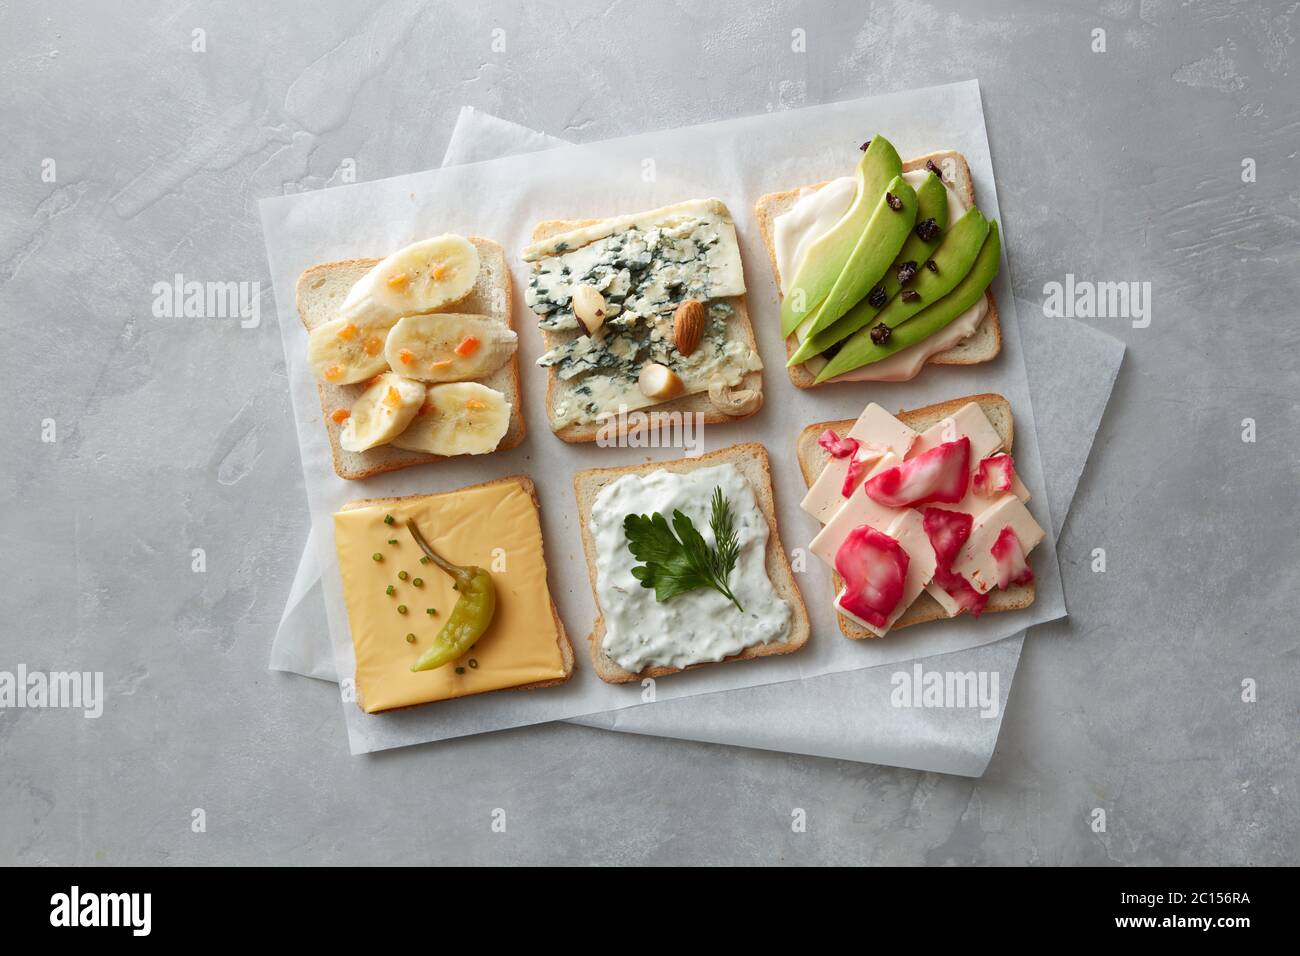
x=811 y=217
x=700 y=625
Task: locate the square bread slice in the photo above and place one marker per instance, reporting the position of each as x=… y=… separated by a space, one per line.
x=983 y=345
x=752 y=461
x=320 y=292
x=562 y=636
x=813 y=458
x=738 y=326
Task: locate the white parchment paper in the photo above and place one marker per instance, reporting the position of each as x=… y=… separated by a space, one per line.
x=737 y=161
x=849 y=715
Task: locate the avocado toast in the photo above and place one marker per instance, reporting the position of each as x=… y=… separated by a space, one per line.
x=847 y=316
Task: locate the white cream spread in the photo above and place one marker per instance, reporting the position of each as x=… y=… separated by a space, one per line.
x=811 y=217
x=700 y=625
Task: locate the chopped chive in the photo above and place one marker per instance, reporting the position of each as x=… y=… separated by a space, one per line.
x=425 y=559
x=410 y=638
x=392 y=541
x=402 y=575
x=473 y=662
x=388 y=519
x=418 y=582
x=430 y=610
x=389 y=590
x=377 y=556
x=460 y=670
x=401 y=609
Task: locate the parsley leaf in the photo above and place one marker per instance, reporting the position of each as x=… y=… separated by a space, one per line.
x=675 y=564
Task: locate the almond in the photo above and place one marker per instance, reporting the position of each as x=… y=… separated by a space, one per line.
x=688 y=325
x=659 y=382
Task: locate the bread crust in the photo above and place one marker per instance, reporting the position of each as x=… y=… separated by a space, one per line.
x=561 y=635
x=812 y=459
x=699 y=403
x=771 y=205
x=587 y=484
x=357 y=466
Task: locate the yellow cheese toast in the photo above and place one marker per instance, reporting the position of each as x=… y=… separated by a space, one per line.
x=495 y=526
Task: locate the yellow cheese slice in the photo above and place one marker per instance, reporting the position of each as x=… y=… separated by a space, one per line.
x=495 y=526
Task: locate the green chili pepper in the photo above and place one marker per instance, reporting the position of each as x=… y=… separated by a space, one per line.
x=468 y=619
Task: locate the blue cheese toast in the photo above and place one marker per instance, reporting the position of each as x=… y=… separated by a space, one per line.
x=665 y=297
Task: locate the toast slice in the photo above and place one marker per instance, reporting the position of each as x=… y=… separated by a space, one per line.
x=562 y=636
x=981 y=346
x=813 y=458
x=320 y=292
x=752 y=461
x=738 y=327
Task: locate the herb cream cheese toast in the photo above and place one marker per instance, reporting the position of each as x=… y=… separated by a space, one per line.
x=637 y=635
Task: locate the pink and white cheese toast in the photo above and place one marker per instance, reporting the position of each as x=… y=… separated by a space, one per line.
x=923 y=514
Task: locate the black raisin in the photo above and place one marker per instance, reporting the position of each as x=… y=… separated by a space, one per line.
x=927 y=229
x=911 y=295
x=930 y=264
x=929 y=164
x=906 y=271
x=876 y=297
x=880 y=333
x=894 y=202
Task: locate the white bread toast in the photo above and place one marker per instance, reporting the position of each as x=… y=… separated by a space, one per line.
x=983 y=345
x=752 y=461
x=556 y=388
x=813 y=458
x=320 y=292
x=562 y=636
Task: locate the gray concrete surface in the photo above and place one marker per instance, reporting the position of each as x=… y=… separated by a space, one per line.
x=175 y=434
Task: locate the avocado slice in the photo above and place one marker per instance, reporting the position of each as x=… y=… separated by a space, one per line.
x=859 y=350
x=957 y=250
x=825 y=258
x=881 y=240
x=931 y=203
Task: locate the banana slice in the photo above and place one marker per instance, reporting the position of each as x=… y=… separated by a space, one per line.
x=449 y=346
x=461 y=418
x=382 y=412
x=424 y=276
x=344 y=353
